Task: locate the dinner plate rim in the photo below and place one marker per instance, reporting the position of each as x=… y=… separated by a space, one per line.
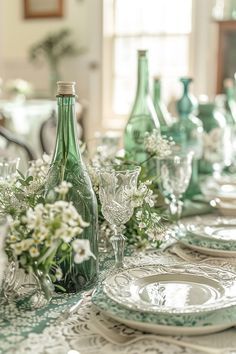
x=209 y=251
x=206 y=327
x=167 y=329
x=227 y=303
x=210 y=237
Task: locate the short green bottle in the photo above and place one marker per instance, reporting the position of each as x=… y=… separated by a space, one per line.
x=161 y=110
x=187 y=133
x=143 y=117
x=67 y=165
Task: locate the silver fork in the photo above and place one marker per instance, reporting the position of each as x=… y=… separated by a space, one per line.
x=113 y=337
x=69 y=312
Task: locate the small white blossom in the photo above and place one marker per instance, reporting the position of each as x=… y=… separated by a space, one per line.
x=34 y=252
x=158 y=145
x=63 y=188
x=82 y=250
x=58 y=274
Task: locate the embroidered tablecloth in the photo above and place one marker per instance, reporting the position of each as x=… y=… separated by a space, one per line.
x=36 y=332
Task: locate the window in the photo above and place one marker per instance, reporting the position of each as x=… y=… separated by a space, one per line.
x=161 y=26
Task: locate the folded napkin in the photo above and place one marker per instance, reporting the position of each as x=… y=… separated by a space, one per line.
x=196 y=207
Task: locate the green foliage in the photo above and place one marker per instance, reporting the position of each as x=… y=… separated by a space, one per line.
x=54 y=47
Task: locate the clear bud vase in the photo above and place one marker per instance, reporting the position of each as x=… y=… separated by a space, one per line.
x=30 y=291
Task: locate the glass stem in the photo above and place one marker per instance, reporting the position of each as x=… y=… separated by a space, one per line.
x=175 y=208
x=118 y=244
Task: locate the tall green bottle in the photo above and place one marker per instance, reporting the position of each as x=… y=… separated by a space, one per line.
x=67 y=165
x=161 y=110
x=143 y=117
x=188 y=134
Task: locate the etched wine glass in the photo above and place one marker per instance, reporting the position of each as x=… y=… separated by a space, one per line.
x=8 y=168
x=117 y=187
x=175 y=172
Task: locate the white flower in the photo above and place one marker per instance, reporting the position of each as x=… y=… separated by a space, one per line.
x=63 y=188
x=34 y=252
x=82 y=250
x=58 y=274
x=158 y=145
x=139 y=214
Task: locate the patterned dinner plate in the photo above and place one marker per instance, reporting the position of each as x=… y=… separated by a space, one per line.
x=220 y=232
x=173 y=289
x=203 y=323
x=213 y=245
x=206 y=249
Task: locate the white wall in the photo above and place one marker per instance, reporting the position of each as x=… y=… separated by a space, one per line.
x=18 y=34
x=204 y=48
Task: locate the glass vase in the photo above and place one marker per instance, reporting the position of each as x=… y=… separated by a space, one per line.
x=30 y=291
x=187 y=133
x=143 y=117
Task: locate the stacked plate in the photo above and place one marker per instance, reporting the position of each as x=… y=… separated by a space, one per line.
x=225 y=200
x=173 y=299
x=218 y=240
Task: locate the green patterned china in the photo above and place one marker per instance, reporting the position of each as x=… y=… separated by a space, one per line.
x=184 y=324
x=173 y=289
x=219 y=232
x=211 y=247
x=219 y=240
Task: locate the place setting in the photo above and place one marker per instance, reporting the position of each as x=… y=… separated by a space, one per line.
x=118 y=177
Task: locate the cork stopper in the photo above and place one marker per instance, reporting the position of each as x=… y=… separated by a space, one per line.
x=142 y=52
x=228 y=83
x=66 y=88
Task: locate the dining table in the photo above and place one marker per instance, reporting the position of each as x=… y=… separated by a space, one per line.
x=45 y=331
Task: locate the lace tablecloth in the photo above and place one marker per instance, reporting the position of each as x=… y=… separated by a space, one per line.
x=37 y=333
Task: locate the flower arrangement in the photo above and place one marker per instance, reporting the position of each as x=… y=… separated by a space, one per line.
x=18 y=87
x=37 y=230
x=146 y=227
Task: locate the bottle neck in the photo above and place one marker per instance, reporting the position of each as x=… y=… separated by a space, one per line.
x=229 y=94
x=157 y=91
x=186 y=83
x=143 y=79
x=66 y=140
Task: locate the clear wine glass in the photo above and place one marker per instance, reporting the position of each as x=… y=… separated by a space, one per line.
x=175 y=173
x=8 y=167
x=117 y=186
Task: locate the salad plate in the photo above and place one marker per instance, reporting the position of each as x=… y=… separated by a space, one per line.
x=224 y=208
x=219 y=232
x=203 y=248
x=217 y=241
x=204 y=323
x=172 y=289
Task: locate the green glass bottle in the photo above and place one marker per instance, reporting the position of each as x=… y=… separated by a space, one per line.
x=161 y=110
x=143 y=117
x=215 y=139
x=230 y=102
x=187 y=133
x=67 y=165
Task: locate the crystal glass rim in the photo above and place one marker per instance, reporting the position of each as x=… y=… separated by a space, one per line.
x=110 y=168
x=181 y=156
x=7 y=161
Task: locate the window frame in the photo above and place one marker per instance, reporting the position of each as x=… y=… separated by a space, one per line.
x=111 y=120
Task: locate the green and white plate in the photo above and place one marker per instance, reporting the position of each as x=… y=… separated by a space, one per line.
x=221 y=232
x=204 y=323
x=172 y=289
x=217 y=240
